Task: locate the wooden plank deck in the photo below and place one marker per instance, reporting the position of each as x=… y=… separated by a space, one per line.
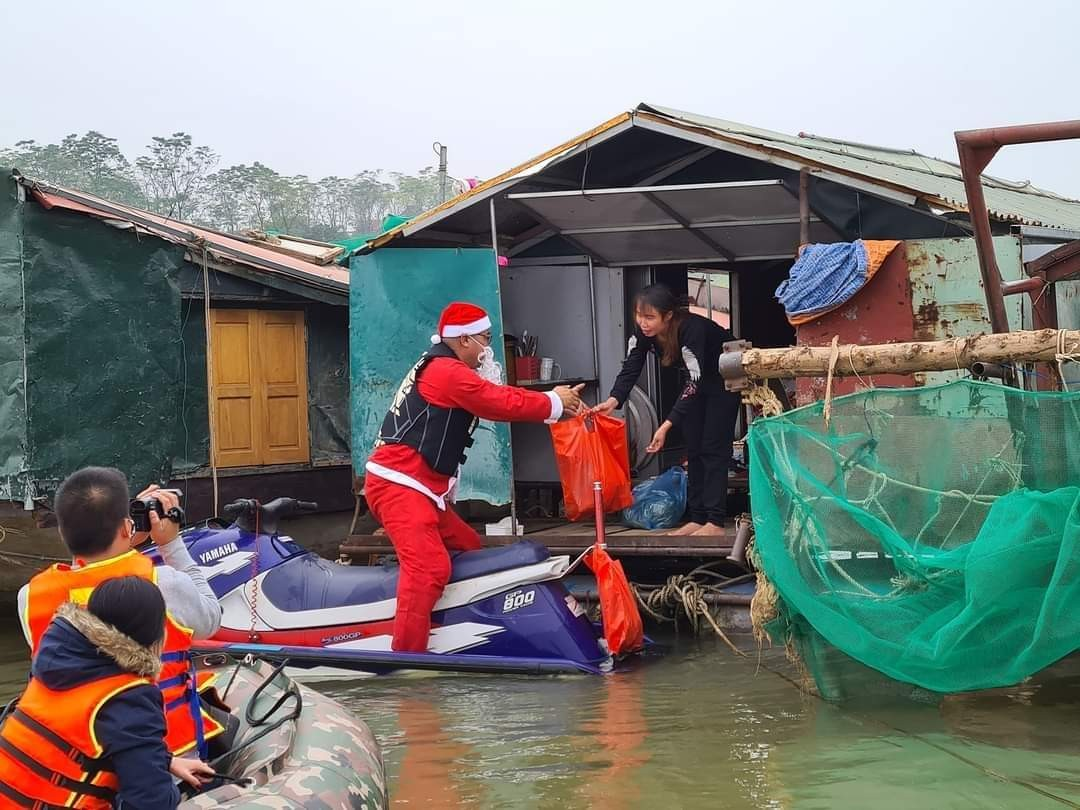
x=573 y=538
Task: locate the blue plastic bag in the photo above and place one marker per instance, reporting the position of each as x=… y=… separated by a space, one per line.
x=659 y=503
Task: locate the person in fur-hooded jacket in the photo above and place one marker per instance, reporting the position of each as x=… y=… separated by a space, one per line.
x=89 y=729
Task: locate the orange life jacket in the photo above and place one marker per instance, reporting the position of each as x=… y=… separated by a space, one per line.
x=187 y=725
x=51 y=759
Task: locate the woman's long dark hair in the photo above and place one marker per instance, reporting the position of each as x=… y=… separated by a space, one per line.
x=663 y=300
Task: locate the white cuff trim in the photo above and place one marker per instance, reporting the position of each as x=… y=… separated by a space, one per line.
x=556 y=408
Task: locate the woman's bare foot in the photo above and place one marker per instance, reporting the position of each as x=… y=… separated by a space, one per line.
x=709 y=530
x=689 y=528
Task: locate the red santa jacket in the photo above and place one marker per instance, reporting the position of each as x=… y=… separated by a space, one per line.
x=448 y=383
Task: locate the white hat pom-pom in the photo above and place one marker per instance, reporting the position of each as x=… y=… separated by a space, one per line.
x=435 y=340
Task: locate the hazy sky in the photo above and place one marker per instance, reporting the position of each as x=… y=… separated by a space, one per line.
x=332 y=88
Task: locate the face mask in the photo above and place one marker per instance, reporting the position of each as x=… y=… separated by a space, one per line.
x=489 y=369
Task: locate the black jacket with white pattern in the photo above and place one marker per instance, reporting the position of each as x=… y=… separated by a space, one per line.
x=701 y=342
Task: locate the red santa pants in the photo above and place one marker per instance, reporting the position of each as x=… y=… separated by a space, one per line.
x=422 y=535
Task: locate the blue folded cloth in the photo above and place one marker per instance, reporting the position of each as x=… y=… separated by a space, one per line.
x=823 y=277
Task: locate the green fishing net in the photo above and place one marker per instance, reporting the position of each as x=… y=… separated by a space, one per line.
x=929 y=534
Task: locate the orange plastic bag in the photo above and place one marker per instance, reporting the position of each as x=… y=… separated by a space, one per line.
x=591 y=448
x=623 y=630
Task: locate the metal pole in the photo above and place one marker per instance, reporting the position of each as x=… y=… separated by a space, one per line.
x=442 y=173
x=510 y=442
x=972 y=163
x=595 y=339
x=804 y=207
x=598 y=505
x=977 y=148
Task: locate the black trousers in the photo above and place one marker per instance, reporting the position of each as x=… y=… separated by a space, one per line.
x=709 y=429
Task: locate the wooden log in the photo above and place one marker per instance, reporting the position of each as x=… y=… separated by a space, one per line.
x=906 y=358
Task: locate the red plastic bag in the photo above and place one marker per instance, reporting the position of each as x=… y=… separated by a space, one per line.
x=623 y=630
x=591 y=448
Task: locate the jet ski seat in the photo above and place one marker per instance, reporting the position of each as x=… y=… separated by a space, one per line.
x=309 y=582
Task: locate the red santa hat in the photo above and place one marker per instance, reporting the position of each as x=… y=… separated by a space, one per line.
x=461 y=318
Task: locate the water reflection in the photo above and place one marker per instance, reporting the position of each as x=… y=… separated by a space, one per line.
x=429 y=773
x=613 y=740
x=699 y=728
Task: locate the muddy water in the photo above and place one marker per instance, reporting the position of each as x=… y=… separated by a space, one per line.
x=699 y=728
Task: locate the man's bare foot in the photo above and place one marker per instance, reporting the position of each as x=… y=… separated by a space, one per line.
x=710 y=530
x=689 y=528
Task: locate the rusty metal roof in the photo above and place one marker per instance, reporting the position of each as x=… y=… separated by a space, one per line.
x=903 y=175
x=222 y=249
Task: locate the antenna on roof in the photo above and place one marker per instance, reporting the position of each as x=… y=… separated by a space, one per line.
x=440 y=150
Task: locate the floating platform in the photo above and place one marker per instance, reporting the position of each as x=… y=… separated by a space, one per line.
x=572 y=539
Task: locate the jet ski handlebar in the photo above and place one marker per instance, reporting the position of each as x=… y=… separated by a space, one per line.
x=245 y=510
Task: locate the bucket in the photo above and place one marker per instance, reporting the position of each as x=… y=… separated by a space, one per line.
x=527 y=369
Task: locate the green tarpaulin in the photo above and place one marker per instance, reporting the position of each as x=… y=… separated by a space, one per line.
x=12 y=410
x=396 y=296
x=103 y=346
x=351 y=243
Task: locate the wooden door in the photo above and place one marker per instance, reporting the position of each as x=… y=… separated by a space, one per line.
x=235 y=379
x=283 y=363
x=259 y=369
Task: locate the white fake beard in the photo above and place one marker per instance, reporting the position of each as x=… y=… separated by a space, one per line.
x=490 y=370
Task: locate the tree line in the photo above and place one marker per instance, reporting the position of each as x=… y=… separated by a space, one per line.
x=178 y=178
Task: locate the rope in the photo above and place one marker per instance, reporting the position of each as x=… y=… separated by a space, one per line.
x=686 y=593
x=764 y=609
x=253 y=597
x=855 y=371
x=1062 y=357
x=833 y=357
x=763 y=397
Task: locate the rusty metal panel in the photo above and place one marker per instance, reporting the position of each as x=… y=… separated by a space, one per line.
x=947 y=296
x=880 y=313
x=929 y=289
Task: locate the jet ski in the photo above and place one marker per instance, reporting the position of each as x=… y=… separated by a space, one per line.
x=504 y=610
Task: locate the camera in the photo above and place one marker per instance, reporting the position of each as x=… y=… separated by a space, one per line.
x=140 y=509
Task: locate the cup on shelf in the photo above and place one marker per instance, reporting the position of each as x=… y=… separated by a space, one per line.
x=549 y=370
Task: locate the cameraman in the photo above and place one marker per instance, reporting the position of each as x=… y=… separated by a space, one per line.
x=188 y=596
x=92 y=512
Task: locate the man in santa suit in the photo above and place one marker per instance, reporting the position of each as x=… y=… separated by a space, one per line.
x=411 y=475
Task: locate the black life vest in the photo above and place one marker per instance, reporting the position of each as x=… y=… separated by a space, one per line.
x=439 y=435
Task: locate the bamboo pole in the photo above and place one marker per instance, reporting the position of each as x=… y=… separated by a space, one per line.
x=1042 y=346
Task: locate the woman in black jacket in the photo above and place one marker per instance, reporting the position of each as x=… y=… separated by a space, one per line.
x=705 y=411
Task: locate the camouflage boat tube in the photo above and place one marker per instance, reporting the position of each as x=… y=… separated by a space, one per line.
x=295 y=748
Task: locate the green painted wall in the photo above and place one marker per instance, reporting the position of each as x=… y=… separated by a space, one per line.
x=947 y=297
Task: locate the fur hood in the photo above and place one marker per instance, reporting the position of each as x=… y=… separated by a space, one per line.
x=128 y=654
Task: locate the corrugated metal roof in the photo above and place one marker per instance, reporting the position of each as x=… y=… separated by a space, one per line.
x=937 y=181
x=222 y=247
x=500 y=182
